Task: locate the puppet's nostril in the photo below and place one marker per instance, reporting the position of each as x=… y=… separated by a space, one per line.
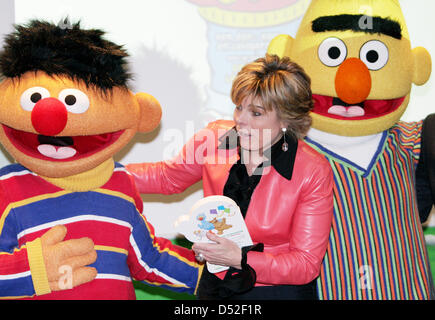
x=49 y=116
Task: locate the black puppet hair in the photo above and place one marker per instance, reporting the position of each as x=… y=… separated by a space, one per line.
x=65 y=49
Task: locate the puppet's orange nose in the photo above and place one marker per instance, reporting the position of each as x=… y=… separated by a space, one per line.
x=353 y=81
x=49 y=116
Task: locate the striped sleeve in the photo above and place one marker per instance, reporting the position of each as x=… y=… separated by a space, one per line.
x=15 y=275
x=409 y=134
x=158 y=262
x=155 y=260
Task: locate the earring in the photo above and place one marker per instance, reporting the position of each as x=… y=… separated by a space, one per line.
x=284 y=146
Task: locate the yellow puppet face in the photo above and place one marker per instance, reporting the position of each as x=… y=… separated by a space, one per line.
x=359 y=57
x=58 y=127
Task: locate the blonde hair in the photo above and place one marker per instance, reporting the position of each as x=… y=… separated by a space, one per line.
x=280 y=84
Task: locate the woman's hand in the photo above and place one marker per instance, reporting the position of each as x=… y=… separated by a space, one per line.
x=222 y=252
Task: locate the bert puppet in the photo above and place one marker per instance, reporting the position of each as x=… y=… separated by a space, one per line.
x=359 y=56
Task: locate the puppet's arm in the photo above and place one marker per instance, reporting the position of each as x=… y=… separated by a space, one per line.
x=158 y=262
x=17 y=277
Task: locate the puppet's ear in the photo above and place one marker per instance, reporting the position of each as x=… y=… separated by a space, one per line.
x=422 y=66
x=280 y=45
x=150 y=112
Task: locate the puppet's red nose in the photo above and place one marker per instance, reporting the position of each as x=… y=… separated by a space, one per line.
x=49 y=116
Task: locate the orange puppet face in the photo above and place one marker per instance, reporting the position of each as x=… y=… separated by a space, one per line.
x=58 y=127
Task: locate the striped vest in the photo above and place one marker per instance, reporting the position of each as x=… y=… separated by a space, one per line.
x=376 y=246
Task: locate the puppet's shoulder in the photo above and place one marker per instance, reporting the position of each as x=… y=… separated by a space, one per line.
x=13 y=170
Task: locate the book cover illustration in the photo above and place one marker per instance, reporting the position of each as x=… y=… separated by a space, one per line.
x=218 y=214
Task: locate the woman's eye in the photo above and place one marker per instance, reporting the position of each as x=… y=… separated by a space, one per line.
x=75 y=101
x=256 y=114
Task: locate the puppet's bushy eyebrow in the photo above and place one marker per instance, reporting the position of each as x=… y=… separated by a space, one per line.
x=72 y=52
x=352 y=22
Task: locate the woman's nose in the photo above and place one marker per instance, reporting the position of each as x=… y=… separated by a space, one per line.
x=240 y=117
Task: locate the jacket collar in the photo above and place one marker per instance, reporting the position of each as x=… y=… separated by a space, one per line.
x=282 y=161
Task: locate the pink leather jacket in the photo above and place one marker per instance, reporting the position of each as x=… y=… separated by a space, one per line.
x=292 y=218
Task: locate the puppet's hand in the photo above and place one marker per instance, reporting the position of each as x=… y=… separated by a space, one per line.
x=66 y=261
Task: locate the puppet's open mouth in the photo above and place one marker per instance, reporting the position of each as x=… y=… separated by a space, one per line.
x=335 y=108
x=59 y=148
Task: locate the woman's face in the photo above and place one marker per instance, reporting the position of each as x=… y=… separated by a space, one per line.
x=257 y=128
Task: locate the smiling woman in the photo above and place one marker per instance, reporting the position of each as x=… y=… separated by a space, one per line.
x=283 y=187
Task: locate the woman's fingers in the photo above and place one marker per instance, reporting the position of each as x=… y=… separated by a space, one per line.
x=201 y=246
x=222 y=251
x=211 y=236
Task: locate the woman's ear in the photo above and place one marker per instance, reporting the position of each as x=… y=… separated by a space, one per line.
x=150 y=112
x=422 y=66
x=283 y=124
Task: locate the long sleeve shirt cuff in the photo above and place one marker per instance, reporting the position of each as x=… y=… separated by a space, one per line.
x=37 y=267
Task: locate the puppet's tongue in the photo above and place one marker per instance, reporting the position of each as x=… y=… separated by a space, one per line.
x=348 y=112
x=56 y=147
x=56 y=152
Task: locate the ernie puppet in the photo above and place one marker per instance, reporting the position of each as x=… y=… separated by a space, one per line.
x=359 y=56
x=65 y=110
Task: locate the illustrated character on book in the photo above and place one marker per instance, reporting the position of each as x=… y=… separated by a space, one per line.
x=359 y=56
x=204 y=224
x=220 y=225
x=71 y=223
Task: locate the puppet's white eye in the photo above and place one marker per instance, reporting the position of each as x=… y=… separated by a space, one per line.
x=31 y=96
x=332 y=52
x=75 y=101
x=374 y=54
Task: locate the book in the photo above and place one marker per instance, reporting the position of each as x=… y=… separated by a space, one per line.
x=218 y=214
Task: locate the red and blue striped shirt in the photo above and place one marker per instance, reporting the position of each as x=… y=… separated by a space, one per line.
x=110 y=215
